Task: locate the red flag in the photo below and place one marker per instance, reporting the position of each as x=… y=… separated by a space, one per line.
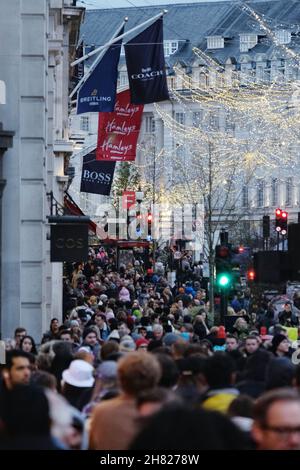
x=118 y=132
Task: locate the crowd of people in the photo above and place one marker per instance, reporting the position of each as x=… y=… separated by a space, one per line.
x=139 y=364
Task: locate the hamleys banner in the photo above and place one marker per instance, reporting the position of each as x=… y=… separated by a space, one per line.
x=118 y=132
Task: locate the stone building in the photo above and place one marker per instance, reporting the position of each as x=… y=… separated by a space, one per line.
x=38 y=41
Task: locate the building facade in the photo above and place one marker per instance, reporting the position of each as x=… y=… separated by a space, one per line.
x=38 y=41
x=231 y=38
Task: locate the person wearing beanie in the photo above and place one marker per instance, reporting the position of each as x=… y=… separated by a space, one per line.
x=142 y=344
x=127 y=344
x=280 y=345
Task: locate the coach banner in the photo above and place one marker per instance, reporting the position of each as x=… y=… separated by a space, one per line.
x=118 y=132
x=96 y=177
x=146 y=65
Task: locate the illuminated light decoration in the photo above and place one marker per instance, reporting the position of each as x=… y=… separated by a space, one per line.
x=272 y=134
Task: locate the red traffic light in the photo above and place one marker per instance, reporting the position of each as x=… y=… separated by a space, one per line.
x=149 y=217
x=284 y=215
x=241 y=249
x=251 y=275
x=278 y=212
x=222 y=252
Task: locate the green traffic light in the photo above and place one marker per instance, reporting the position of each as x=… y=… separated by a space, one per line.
x=224 y=280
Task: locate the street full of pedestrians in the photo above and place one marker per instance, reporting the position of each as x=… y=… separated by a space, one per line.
x=140 y=364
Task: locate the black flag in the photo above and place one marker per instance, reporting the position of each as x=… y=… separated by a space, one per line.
x=146 y=65
x=97 y=176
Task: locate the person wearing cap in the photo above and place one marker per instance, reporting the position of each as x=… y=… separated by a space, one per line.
x=127 y=344
x=142 y=344
x=76 y=381
x=114 y=423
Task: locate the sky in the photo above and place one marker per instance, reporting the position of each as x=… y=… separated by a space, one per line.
x=90 y=4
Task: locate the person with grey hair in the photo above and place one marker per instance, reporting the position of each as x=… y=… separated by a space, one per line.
x=158 y=332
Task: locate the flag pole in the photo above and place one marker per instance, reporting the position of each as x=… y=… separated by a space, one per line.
x=111 y=42
x=96 y=62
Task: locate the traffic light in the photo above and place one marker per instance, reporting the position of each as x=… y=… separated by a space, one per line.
x=149 y=219
x=266 y=226
x=284 y=222
x=251 y=275
x=223 y=266
x=281 y=222
x=278 y=213
x=224 y=280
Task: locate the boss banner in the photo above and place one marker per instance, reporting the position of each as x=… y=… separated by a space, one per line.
x=97 y=176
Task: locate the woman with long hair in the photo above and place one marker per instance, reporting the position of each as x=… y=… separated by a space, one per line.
x=28 y=345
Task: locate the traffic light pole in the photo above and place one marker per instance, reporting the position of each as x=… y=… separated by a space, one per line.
x=224 y=305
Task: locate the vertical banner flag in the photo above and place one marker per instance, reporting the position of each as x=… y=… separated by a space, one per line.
x=98 y=93
x=118 y=132
x=146 y=65
x=78 y=71
x=96 y=176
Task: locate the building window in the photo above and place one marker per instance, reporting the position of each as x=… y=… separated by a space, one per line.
x=170 y=47
x=289 y=191
x=85 y=123
x=171 y=83
x=274 y=192
x=180 y=118
x=203 y=80
x=215 y=42
x=247 y=42
x=283 y=36
x=260 y=193
x=150 y=125
x=214 y=121
x=123 y=79
x=260 y=73
x=245 y=196
x=229 y=123
x=197 y=118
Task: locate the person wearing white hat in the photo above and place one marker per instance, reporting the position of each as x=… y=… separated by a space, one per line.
x=77 y=383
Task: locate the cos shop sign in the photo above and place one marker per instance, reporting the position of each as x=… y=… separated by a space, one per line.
x=69 y=242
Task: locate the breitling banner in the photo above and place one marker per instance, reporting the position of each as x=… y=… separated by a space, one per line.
x=146 y=65
x=98 y=93
x=118 y=132
x=96 y=177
